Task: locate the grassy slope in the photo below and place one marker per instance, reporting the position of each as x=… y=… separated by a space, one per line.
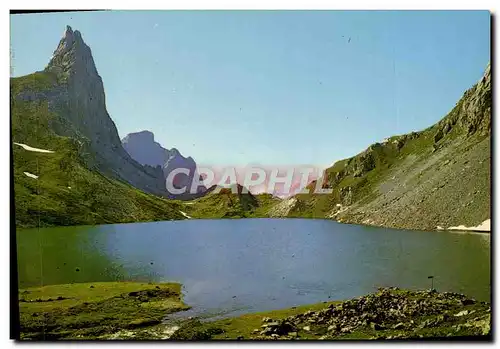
x=92 y=199
x=228 y=205
x=386 y=158
x=415 y=181
x=91 y=310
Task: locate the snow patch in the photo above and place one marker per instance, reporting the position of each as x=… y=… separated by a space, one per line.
x=341 y=208
x=185 y=215
x=28 y=148
x=31 y=175
x=169 y=331
x=485 y=226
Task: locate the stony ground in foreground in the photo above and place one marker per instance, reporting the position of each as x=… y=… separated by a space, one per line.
x=388 y=314
x=136 y=311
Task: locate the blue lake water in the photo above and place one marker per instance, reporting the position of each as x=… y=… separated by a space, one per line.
x=235 y=266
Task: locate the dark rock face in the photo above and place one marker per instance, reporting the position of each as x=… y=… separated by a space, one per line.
x=77 y=97
x=141 y=146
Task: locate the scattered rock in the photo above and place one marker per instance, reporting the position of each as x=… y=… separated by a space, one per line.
x=438 y=136
x=383 y=310
x=468 y=301
x=376 y=327
x=270 y=324
x=398 y=326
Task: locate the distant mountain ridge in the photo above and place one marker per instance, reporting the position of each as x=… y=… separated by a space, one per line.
x=143 y=148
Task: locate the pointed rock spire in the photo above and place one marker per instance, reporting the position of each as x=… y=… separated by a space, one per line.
x=72 y=56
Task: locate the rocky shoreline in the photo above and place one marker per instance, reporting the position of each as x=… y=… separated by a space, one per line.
x=390 y=313
x=388 y=310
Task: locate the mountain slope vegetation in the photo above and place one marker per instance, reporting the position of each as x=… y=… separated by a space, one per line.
x=233 y=202
x=62 y=175
x=435 y=178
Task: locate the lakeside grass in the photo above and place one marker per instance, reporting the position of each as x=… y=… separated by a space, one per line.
x=243 y=325
x=93 y=310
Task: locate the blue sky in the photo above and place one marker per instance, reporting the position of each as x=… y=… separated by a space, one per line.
x=270 y=87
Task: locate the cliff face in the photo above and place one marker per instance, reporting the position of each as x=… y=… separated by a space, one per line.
x=141 y=146
x=74 y=92
x=438 y=177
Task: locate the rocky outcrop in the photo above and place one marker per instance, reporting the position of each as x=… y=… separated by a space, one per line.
x=143 y=148
x=175 y=161
x=76 y=95
x=237 y=195
x=231 y=201
x=472 y=114
x=388 y=314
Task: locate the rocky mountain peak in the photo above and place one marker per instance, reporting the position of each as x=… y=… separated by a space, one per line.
x=72 y=56
x=141 y=136
x=77 y=97
x=142 y=147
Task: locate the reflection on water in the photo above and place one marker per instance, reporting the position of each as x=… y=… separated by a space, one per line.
x=235 y=266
